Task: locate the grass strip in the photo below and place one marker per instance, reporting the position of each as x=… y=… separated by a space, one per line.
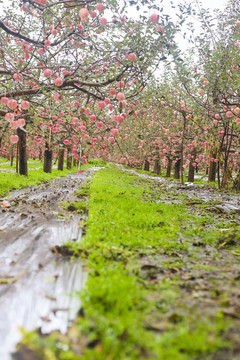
x=130 y=309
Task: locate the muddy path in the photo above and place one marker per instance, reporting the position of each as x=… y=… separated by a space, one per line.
x=219 y=201
x=35 y=283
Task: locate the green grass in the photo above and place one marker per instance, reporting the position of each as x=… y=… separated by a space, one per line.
x=128 y=313
x=13 y=181
x=3 y=160
x=80 y=207
x=97 y=162
x=32 y=164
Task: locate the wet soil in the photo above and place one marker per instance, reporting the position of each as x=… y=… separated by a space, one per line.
x=35 y=282
x=207 y=276
x=225 y=201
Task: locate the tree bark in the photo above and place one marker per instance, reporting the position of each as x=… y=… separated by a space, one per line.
x=177 y=168
x=69 y=158
x=40 y=153
x=12 y=156
x=157 y=167
x=191 y=170
x=47 y=165
x=212 y=170
x=22 y=152
x=226 y=178
x=169 y=167
x=238 y=183
x=17 y=159
x=60 y=159
x=146 y=165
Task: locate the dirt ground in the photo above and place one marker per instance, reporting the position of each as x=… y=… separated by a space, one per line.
x=35 y=282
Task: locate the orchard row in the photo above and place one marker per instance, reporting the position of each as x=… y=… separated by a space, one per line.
x=79 y=75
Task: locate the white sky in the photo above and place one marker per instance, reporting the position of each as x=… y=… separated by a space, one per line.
x=205 y=4
x=212 y=4
x=166 y=4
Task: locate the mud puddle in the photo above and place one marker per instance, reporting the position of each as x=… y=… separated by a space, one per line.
x=35 y=283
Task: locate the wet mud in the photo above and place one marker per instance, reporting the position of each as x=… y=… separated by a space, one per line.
x=35 y=282
x=224 y=202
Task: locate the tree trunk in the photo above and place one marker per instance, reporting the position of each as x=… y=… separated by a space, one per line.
x=238 y=182
x=74 y=162
x=22 y=152
x=157 y=167
x=169 y=168
x=40 y=154
x=191 y=170
x=60 y=159
x=17 y=159
x=177 y=168
x=47 y=165
x=12 y=156
x=69 y=158
x=146 y=165
x=227 y=176
x=212 y=170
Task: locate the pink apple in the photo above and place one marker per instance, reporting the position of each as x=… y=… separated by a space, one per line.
x=83 y=13
x=92 y=117
x=111 y=140
x=12 y=104
x=201 y=91
x=112 y=91
x=114 y=132
x=103 y=21
x=17 y=77
x=47 y=73
x=99 y=124
x=25 y=105
x=160 y=29
x=154 y=18
x=5 y=204
x=132 y=57
x=120 y=96
x=229 y=114
x=4 y=100
x=100 y=7
x=58 y=82
x=21 y=122
x=14 y=139
x=101 y=104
